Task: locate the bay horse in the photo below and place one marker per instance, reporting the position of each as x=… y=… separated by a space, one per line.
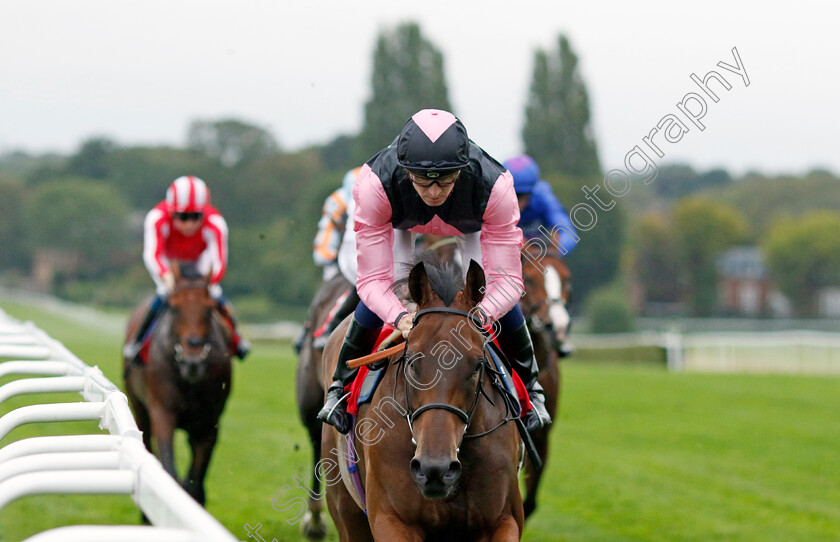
x=309 y=392
x=547 y=284
x=437 y=455
x=186 y=380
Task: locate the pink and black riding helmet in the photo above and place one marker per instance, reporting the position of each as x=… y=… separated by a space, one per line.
x=433 y=143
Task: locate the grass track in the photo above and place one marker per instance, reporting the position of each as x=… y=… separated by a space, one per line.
x=639 y=454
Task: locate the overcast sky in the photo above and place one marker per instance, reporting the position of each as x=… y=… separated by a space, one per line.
x=140 y=71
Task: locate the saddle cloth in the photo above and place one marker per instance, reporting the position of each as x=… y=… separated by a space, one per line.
x=364 y=385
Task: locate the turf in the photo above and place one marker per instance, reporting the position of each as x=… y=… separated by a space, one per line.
x=638 y=453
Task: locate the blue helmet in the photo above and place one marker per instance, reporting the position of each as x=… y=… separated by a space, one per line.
x=525 y=173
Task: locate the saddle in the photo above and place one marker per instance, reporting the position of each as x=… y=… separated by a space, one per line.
x=362 y=388
x=367 y=380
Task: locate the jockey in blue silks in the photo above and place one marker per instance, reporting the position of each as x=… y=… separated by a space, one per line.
x=538 y=206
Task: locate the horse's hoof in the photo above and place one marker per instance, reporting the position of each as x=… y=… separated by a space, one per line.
x=313 y=529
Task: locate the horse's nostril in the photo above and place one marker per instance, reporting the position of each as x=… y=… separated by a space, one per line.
x=435 y=472
x=194 y=340
x=453 y=473
x=417 y=471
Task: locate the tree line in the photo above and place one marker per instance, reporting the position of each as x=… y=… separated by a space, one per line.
x=72 y=224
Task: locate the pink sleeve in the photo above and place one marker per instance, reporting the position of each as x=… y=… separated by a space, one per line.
x=501 y=241
x=375 y=246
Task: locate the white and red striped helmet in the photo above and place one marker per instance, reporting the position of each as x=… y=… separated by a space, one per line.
x=187 y=194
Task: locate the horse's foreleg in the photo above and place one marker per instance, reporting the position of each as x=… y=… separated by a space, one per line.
x=163 y=429
x=141 y=416
x=532 y=476
x=391 y=528
x=314 y=527
x=202 y=450
x=507 y=530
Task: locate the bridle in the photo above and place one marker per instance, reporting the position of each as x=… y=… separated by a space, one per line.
x=180 y=356
x=483 y=366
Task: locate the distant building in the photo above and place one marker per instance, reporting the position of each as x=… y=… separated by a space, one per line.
x=745 y=287
x=828 y=302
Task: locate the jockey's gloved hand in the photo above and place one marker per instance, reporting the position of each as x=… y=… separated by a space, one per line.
x=169 y=280
x=405 y=322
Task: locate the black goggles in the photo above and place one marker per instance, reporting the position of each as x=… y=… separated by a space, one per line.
x=442 y=181
x=188 y=217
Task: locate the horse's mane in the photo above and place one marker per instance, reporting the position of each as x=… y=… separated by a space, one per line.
x=189 y=271
x=445 y=277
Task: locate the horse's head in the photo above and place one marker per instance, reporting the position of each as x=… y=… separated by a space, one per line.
x=443 y=369
x=191 y=306
x=547 y=283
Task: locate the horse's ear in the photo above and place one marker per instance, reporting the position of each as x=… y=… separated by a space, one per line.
x=418 y=283
x=474 y=286
x=175 y=267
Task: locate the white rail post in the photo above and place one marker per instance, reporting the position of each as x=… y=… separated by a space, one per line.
x=115 y=463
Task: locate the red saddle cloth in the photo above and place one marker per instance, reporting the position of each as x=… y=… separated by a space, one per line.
x=144 y=350
x=337 y=305
x=355 y=387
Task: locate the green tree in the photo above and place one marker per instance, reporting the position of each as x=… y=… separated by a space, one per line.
x=803 y=255
x=90 y=160
x=704 y=229
x=144 y=173
x=407 y=77
x=675 y=181
x=656 y=260
x=13 y=254
x=595 y=260
x=272 y=187
x=230 y=141
x=557 y=131
x=83 y=219
x=609 y=311
x=763 y=200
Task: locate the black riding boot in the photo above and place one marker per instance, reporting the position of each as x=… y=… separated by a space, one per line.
x=131 y=351
x=357 y=343
x=518 y=348
x=241 y=346
x=347 y=307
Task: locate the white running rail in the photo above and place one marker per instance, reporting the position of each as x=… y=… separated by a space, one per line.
x=112 y=463
x=787 y=352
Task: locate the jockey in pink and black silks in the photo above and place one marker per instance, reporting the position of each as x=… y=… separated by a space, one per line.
x=433 y=179
x=184 y=227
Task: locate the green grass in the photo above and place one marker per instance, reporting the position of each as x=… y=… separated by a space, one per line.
x=638 y=453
